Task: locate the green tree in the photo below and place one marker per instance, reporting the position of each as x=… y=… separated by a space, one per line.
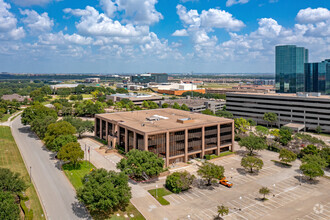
x=251 y=163
x=317 y=159
x=165 y=105
x=185 y=107
x=40 y=125
x=56 y=143
x=251 y=122
x=264 y=191
x=145 y=104
x=253 y=143
x=8 y=208
x=141 y=163
x=153 y=105
x=36 y=111
x=11 y=182
x=207 y=112
x=222 y=211
x=179 y=181
x=225 y=114
x=270 y=117
x=287 y=156
x=210 y=171
x=80 y=125
x=285 y=136
x=121 y=90
x=325 y=154
x=241 y=125
x=275 y=133
x=105 y=191
x=311 y=170
x=309 y=150
x=176 y=105
x=110 y=102
x=318 y=129
x=261 y=131
x=60 y=128
x=71 y=152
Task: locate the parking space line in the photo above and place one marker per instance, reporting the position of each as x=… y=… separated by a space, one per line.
x=317 y=216
x=198 y=216
x=206 y=214
x=194 y=194
x=182 y=198
x=175 y=201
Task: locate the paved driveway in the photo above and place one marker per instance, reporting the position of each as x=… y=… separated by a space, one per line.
x=55 y=191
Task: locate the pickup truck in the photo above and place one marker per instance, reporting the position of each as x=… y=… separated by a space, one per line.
x=225 y=182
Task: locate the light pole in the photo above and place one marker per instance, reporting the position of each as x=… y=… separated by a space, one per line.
x=156 y=191
x=30 y=173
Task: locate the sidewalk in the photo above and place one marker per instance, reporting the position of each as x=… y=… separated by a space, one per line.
x=148 y=206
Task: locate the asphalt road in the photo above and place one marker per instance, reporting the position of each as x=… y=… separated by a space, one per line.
x=55 y=191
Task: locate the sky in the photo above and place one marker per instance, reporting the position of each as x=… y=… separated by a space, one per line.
x=173 y=36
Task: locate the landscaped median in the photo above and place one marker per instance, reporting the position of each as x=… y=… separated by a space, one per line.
x=11 y=158
x=158 y=195
x=213 y=156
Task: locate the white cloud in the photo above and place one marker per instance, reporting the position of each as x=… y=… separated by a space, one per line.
x=8 y=24
x=35 y=22
x=310 y=15
x=140 y=11
x=95 y=24
x=109 y=7
x=180 y=33
x=25 y=3
x=215 y=18
x=60 y=38
x=234 y=2
x=212 y=18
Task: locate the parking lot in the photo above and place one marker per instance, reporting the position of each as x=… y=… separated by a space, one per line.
x=291 y=197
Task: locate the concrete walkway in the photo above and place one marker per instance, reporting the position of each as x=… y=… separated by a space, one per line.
x=148 y=206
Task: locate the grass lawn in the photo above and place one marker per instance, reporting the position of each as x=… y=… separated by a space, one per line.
x=5 y=117
x=75 y=176
x=160 y=193
x=11 y=158
x=218 y=85
x=12 y=119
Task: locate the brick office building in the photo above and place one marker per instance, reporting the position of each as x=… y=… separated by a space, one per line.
x=172 y=134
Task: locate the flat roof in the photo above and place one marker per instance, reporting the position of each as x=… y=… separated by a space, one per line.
x=192 y=102
x=168 y=119
x=294 y=95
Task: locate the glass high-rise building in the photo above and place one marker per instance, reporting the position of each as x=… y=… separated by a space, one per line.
x=289 y=68
x=317 y=77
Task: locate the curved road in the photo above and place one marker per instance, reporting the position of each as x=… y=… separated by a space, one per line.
x=55 y=191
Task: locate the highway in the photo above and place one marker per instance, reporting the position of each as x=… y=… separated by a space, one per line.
x=55 y=191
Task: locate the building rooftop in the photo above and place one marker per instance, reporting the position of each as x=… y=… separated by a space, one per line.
x=192 y=102
x=294 y=95
x=158 y=120
x=131 y=95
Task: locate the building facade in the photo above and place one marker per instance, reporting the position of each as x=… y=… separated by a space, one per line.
x=172 y=134
x=310 y=110
x=150 y=77
x=136 y=98
x=317 y=77
x=289 y=68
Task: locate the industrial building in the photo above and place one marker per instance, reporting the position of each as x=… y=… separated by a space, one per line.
x=197 y=104
x=178 y=89
x=307 y=109
x=92 y=80
x=136 y=98
x=172 y=134
x=149 y=78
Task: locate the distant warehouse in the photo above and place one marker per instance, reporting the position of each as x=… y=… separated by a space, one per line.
x=172 y=134
x=309 y=110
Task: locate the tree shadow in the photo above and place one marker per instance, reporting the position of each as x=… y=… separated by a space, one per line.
x=241 y=171
x=80 y=210
x=305 y=180
x=202 y=184
x=27 y=130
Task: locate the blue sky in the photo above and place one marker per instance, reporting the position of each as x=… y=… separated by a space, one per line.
x=174 y=36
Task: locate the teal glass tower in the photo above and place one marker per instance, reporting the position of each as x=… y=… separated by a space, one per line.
x=289 y=68
x=317 y=77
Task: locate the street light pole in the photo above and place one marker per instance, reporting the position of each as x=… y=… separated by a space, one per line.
x=30 y=173
x=156 y=191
